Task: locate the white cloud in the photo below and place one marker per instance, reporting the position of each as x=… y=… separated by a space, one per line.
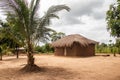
x=86 y=18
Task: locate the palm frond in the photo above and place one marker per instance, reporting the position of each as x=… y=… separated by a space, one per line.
x=56 y=8
x=43 y=22
x=35 y=7
x=32 y=4
x=43 y=33
x=51 y=13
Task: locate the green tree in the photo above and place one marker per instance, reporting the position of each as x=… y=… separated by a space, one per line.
x=101 y=48
x=113 y=20
x=9 y=37
x=30 y=25
x=44 y=49
x=57 y=35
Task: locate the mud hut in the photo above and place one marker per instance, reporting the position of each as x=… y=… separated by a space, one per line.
x=74 y=45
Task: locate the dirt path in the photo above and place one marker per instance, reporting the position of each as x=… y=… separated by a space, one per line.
x=62 y=68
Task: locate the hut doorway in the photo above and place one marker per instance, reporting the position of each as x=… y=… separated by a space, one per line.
x=65 y=51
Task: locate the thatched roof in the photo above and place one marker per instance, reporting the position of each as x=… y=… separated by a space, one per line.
x=68 y=41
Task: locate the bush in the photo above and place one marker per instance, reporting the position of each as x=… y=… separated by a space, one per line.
x=44 y=49
x=7 y=52
x=38 y=49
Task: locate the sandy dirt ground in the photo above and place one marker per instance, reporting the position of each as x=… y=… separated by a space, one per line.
x=62 y=68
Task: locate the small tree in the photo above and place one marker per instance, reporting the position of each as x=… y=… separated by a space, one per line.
x=9 y=37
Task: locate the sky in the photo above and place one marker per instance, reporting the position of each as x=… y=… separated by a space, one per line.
x=86 y=17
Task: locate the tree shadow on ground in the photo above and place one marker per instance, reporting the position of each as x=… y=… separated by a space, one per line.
x=103 y=55
x=107 y=55
x=46 y=72
x=51 y=72
x=13 y=59
x=7 y=73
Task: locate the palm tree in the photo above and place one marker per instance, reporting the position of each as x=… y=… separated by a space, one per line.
x=29 y=24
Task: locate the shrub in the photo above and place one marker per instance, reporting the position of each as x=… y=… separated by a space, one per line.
x=44 y=49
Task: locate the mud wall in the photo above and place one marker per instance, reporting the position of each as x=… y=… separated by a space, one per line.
x=76 y=50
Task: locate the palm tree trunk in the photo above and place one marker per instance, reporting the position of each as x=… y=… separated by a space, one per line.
x=17 y=54
x=114 y=54
x=30 y=54
x=30 y=59
x=30 y=67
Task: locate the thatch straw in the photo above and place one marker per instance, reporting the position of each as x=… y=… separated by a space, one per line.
x=68 y=41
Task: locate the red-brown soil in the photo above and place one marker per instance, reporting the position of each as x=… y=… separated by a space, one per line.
x=62 y=68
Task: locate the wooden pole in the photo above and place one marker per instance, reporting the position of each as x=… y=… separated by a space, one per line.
x=0 y=56
x=17 y=52
x=0 y=53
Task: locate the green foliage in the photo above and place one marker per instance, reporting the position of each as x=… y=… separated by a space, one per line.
x=56 y=35
x=38 y=49
x=7 y=52
x=113 y=19
x=8 y=38
x=118 y=44
x=10 y=43
x=44 y=49
x=104 y=48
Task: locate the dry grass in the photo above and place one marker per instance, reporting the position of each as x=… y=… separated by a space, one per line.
x=62 y=68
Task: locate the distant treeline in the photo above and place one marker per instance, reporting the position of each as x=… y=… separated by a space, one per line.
x=106 y=48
